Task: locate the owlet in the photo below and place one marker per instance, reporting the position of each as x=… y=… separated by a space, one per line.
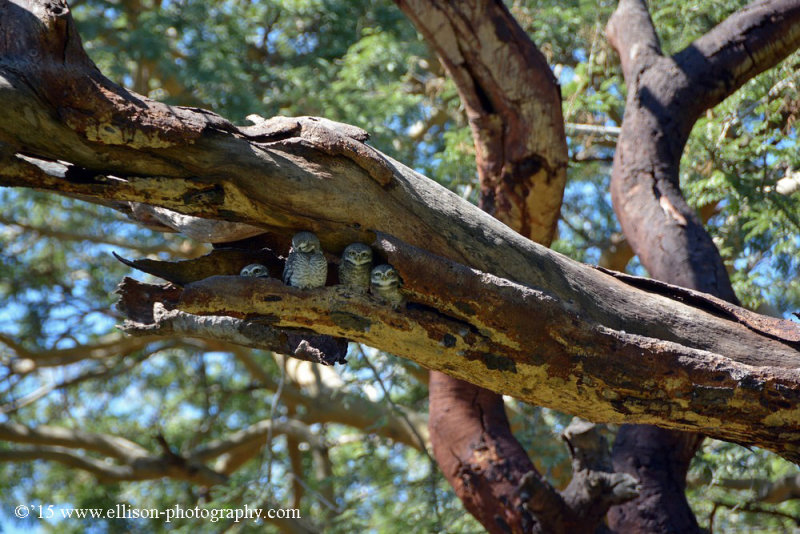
x=355 y=267
x=255 y=270
x=306 y=266
x=385 y=284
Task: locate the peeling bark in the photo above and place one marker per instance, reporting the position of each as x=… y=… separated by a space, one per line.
x=513 y=105
x=486 y=305
x=578 y=365
x=508 y=92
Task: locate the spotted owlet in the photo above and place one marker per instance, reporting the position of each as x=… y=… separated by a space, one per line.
x=355 y=267
x=385 y=284
x=306 y=266
x=255 y=270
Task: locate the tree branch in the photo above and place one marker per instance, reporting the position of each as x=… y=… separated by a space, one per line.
x=96 y=372
x=327 y=405
x=752 y=40
x=513 y=105
x=665 y=97
x=579 y=335
x=594 y=486
x=768 y=491
x=630 y=31
x=113 y=345
x=450 y=331
x=235 y=449
x=113 y=446
x=514 y=109
x=62 y=235
x=149 y=468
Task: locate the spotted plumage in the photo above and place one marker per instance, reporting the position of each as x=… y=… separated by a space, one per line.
x=306 y=266
x=354 y=269
x=385 y=284
x=255 y=270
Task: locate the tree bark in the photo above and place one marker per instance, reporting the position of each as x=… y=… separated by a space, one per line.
x=480 y=457
x=666 y=95
x=513 y=105
x=482 y=329
x=486 y=305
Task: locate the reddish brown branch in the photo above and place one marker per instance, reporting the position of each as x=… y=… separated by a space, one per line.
x=513 y=105
x=752 y=40
x=665 y=97
x=514 y=109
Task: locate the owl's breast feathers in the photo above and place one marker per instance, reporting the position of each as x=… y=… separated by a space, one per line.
x=354 y=275
x=305 y=270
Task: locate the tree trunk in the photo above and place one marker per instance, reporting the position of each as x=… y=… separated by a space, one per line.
x=522 y=178
x=486 y=305
x=665 y=97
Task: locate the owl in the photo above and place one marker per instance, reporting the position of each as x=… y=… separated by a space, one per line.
x=306 y=266
x=355 y=267
x=255 y=270
x=385 y=284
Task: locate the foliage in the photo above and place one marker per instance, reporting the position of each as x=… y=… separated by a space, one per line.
x=362 y=63
x=737 y=153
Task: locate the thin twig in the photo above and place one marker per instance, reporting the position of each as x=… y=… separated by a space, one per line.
x=395 y=407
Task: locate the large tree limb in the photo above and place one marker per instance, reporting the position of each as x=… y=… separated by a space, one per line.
x=666 y=95
x=303 y=174
x=484 y=344
x=752 y=40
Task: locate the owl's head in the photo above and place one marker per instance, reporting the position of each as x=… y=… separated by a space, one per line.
x=306 y=242
x=357 y=254
x=255 y=270
x=384 y=276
